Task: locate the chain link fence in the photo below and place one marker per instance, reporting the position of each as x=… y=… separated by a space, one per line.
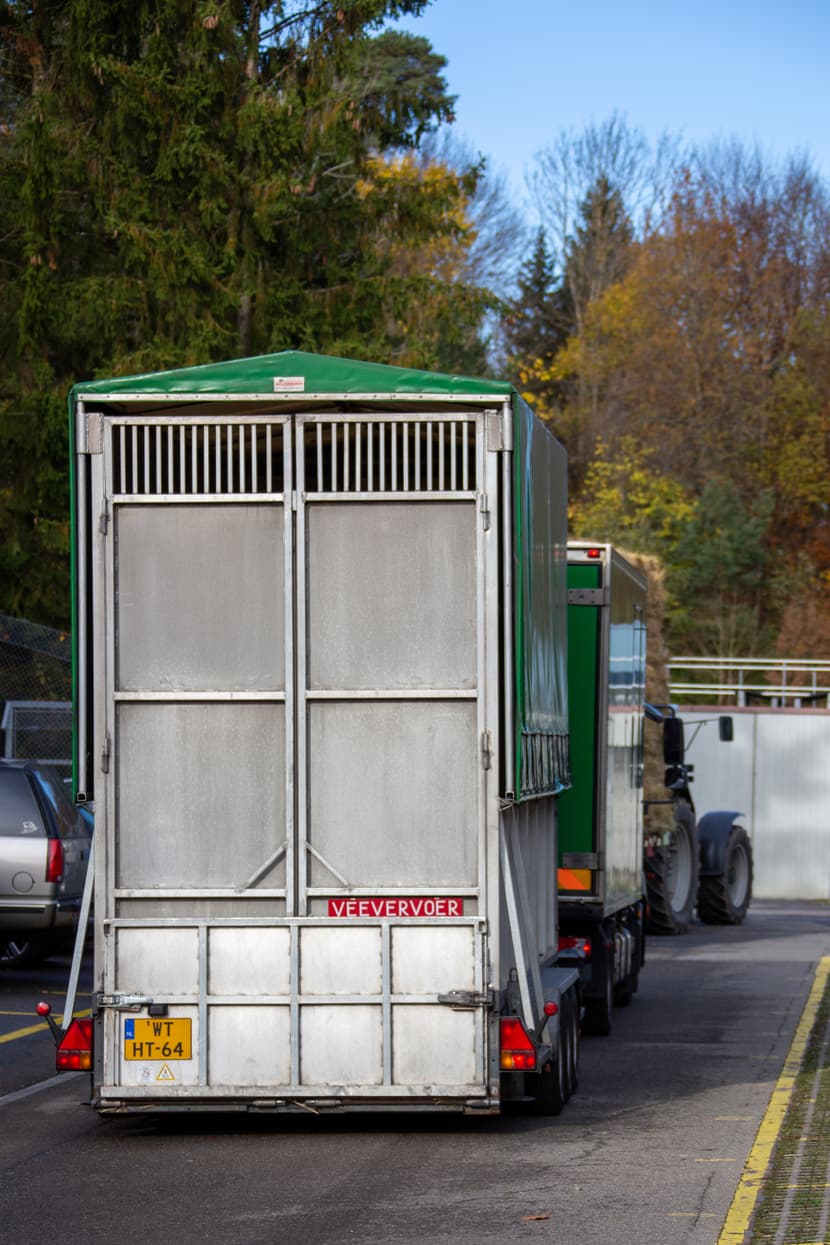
x=36 y=692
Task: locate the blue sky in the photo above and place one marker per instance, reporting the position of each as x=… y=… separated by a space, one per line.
x=524 y=70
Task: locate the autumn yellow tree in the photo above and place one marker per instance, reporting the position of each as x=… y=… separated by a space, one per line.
x=712 y=356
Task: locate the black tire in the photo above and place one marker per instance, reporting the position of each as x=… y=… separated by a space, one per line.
x=573 y=995
x=599 y=1011
x=630 y=984
x=548 y=1087
x=23 y=950
x=566 y=1046
x=671 y=877
x=724 y=900
x=623 y=994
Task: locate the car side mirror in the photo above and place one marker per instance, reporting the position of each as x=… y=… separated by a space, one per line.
x=674 y=746
x=725 y=729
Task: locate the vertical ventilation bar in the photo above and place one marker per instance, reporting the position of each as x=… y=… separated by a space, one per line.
x=174 y=460
x=396 y=456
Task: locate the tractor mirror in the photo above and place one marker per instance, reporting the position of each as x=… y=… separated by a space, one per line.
x=674 y=747
x=725 y=729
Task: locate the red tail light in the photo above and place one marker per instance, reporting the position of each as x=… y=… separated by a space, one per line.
x=517 y=1050
x=74 y=1050
x=54 y=861
x=568 y=942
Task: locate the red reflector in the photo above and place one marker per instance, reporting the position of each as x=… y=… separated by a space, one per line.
x=54 y=861
x=74 y=1051
x=514 y=1036
x=594 y=553
x=518 y=1053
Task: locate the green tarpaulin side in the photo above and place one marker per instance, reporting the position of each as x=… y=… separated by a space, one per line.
x=319 y=373
x=541 y=568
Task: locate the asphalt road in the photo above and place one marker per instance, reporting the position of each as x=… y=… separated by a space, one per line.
x=650 y=1149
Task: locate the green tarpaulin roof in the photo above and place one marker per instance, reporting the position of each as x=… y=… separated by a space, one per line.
x=317 y=374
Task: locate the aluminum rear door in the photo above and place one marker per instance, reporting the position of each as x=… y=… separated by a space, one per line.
x=192 y=629
x=291 y=617
x=391 y=810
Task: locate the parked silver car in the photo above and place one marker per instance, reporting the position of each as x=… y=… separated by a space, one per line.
x=44 y=850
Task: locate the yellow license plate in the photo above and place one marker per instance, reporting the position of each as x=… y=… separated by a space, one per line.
x=157 y=1037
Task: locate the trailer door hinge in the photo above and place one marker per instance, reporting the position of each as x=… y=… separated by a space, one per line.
x=89 y=432
x=487 y=749
x=125 y=1002
x=104 y=521
x=499 y=429
x=464 y=1000
x=484 y=507
x=105 y=755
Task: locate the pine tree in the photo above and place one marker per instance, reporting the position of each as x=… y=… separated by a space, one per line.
x=537 y=324
x=184 y=181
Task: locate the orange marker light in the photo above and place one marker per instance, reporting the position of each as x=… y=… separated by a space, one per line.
x=574 y=879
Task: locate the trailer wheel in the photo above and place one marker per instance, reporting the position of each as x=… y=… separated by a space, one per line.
x=567 y=1052
x=548 y=1086
x=573 y=1028
x=598 y=1012
x=724 y=899
x=671 y=877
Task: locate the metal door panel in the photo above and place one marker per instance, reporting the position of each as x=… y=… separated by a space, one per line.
x=158 y=1075
x=201 y=795
x=249 y=1046
x=254 y=961
x=344 y=960
x=165 y=961
x=424 y=958
x=200 y=598
x=391 y=596
x=341 y=1045
x=435 y=1046
x=393 y=794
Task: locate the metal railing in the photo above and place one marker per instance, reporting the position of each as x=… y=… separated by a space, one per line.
x=40 y=731
x=772 y=681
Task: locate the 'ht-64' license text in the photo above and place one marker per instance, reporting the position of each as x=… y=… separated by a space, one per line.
x=149 y=1037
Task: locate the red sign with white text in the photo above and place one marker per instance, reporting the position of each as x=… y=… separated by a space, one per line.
x=394 y=906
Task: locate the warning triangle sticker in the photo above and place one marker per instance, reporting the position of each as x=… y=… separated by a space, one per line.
x=165 y=1074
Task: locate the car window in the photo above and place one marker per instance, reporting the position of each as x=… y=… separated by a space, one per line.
x=64 y=814
x=19 y=813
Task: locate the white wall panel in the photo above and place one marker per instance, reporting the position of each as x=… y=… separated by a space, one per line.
x=776 y=772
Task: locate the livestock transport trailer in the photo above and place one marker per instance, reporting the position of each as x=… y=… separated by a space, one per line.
x=321 y=707
x=601 y=884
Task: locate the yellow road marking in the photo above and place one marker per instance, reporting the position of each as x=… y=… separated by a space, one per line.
x=39 y=1028
x=7 y=1012
x=740 y=1212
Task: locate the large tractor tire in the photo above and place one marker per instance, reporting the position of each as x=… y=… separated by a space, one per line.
x=724 y=898
x=671 y=876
